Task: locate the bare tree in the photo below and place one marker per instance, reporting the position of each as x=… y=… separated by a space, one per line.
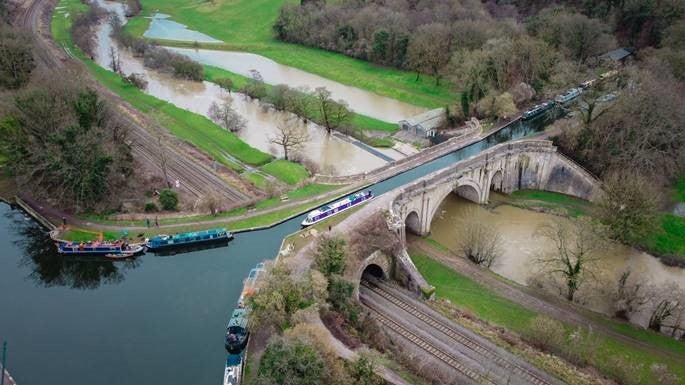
x=575 y=246
x=290 y=136
x=429 y=50
x=667 y=308
x=481 y=244
x=226 y=117
x=114 y=60
x=212 y=202
x=163 y=157
x=630 y=295
x=323 y=96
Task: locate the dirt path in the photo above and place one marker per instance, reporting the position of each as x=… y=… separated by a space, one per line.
x=562 y=311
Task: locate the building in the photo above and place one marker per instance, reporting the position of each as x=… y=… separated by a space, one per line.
x=618 y=56
x=425 y=124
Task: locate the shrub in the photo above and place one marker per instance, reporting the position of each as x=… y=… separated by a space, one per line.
x=545 y=333
x=150 y=207
x=168 y=199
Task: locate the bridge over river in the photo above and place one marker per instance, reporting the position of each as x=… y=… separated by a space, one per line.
x=93 y=320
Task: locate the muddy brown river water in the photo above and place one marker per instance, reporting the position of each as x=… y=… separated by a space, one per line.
x=332 y=155
x=521 y=247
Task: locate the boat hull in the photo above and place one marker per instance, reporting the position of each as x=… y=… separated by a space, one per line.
x=307 y=222
x=131 y=252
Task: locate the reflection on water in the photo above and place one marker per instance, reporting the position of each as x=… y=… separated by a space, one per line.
x=363 y=102
x=48 y=268
x=521 y=248
x=163 y=28
x=332 y=155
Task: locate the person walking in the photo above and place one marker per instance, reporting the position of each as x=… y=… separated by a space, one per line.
x=156 y=222
x=147 y=220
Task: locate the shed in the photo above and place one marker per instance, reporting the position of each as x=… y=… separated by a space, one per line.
x=619 y=55
x=424 y=124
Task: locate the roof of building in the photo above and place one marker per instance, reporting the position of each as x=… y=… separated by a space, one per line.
x=428 y=120
x=619 y=54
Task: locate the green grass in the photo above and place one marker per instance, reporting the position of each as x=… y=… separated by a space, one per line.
x=470 y=295
x=289 y=172
x=195 y=129
x=679 y=190
x=76 y=235
x=246 y=25
x=551 y=200
x=670 y=238
x=256 y=179
x=311 y=189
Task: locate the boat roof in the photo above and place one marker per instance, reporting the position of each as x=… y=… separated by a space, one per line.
x=93 y=243
x=195 y=233
x=238 y=318
x=233 y=360
x=327 y=207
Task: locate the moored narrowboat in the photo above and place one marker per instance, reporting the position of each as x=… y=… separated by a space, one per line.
x=233 y=369
x=328 y=211
x=568 y=96
x=237 y=332
x=162 y=242
x=100 y=248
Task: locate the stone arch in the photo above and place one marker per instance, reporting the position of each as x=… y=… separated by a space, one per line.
x=413 y=223
x=470 y=191
x=496 y=181
x=380 y=261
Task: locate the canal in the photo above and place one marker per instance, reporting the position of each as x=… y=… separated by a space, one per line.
x=149 y=321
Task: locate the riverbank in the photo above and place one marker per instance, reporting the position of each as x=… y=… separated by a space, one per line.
x=508 y=307
x=246 y=25
x=667 y=242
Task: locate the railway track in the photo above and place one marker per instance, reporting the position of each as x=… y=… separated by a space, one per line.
x=484 y=352
x=195 y=179
x=436 y=352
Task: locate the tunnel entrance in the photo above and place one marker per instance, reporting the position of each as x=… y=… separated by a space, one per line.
x=373 y=271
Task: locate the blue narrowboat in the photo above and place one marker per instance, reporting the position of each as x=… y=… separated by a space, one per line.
x=327 y=211
x=99 y=248
x=161 y=242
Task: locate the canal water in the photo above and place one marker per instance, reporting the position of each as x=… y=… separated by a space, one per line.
x=521 y=247
x=155 y=320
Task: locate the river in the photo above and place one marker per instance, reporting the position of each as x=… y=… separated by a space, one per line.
x=332 y=155
x=521 y=248
x=156 y=320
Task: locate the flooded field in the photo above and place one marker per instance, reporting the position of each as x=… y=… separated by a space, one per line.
x=521 y=248
x=332 y=155
x=161 y=27
x=363 y=102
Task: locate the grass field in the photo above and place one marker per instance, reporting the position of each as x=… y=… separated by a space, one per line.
x=246 y=25
x=193 y=128
x=470 y=295
x=550 y=200
x=288 y=172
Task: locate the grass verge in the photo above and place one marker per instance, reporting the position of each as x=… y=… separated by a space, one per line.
x=289 y=172
x=191 y=127
x=471 y=296
x=247 y=26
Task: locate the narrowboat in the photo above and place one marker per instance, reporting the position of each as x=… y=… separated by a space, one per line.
x=537 y=110
x=568 y=95
x=99 y=248
x=233 y=369
x=237 y=333
x=327 y=211
x=162 y=242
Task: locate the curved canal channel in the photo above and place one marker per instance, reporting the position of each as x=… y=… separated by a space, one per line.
x=152 y=320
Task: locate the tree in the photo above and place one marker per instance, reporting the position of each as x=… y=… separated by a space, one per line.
x=363 y=370
x=225 y=84
x=629 y=296
x=481 y=244
x=667 y=308
x=114 y=60
x=629 y=206
x=286 y=363
x=226 y=117
x=168 y=199
x=255 y=87
x=276 y=300
x=323 y=96
x=290 y=136
x=212 y=202
x=16 y=58
x=330 y=257
x=429 y=50
x=575 y=246
x=339 y=114
x=300 y=103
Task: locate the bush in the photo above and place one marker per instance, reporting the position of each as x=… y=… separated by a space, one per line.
x=330 y=256
x=16 y=63
x=150 y=207
x=168 y=199
x=545 y=333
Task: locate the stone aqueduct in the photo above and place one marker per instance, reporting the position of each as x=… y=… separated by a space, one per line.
x=526 y=164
